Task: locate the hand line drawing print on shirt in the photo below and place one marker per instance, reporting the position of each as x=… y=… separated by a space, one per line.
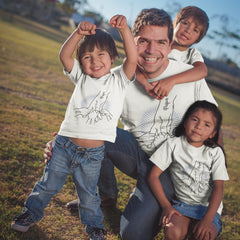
x=162 y=122
x=195 y=182
x=95 y=112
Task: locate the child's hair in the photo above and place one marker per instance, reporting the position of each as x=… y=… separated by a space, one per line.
x=153 y=16
x=199 y=16
x=102 y=40
x=211 y=142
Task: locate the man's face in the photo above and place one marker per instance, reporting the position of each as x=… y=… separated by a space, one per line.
x=153 y=47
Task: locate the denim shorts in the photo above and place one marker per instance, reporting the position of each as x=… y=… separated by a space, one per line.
x=196 y=212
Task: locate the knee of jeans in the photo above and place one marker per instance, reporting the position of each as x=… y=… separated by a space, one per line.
x=130 y=232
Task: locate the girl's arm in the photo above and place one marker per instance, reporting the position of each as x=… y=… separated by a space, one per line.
x=68 y=48
x=156 y=186
x=203 y=227
x=130 y=63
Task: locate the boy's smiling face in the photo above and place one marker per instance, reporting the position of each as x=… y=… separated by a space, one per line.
x=96 y=63
x=186 y=33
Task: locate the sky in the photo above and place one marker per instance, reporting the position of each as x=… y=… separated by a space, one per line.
x=215 y=9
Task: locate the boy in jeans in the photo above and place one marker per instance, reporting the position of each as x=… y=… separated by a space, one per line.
x=90 y=120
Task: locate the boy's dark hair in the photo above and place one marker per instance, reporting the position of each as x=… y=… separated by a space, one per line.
x=180 y=130
x=153 y=16
x=102 y=40
x=199 y=16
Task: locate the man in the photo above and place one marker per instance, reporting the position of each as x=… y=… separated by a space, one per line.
x=147 y=122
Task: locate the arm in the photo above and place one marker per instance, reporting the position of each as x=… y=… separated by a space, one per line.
x=203 y=227
x=130 y=63
x=149 y=87
x=156 y=186
x=164 y=86
x=68 y=48
x=198 y=72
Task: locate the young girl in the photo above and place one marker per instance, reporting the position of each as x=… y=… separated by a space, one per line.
x=91 y=118
x=198 y=171
x=190 y=26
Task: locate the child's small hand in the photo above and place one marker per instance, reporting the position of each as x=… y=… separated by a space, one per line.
x=203 y=230
x=118 y=21
x=86 y=28
x=166 y=216
x=163 y=87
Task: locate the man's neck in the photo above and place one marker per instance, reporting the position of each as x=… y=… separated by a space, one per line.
x=152 y=75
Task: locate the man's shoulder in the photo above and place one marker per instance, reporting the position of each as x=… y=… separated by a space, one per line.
x=175 y=67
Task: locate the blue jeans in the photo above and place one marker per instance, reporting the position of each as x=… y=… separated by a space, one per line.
x=84 y=165
x=141 y=216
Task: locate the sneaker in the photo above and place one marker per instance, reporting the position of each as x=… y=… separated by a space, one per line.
x=22 y=222
x=95 y=233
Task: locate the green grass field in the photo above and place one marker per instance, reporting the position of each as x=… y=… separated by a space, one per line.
x=34 y=95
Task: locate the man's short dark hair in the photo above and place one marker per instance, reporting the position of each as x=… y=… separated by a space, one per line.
x=153 y=16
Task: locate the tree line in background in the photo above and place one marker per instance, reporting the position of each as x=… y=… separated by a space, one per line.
x=53 y=11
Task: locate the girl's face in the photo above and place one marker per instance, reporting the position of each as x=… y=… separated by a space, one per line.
x=199 y=127
x=186 y=33
x=97 y=63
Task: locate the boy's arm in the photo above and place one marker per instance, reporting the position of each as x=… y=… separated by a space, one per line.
x=149 y=88
x=68 y=48
x=203 y=227
x=164 y=86
x=130 y=63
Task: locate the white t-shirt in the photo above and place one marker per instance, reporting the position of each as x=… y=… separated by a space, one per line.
x=192 y=169
x=152 y=121
x=189 y=56
x=96 y=104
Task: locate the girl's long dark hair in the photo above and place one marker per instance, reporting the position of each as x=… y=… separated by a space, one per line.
x=211 y=142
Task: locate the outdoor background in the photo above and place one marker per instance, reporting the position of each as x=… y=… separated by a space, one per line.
x=34 y=94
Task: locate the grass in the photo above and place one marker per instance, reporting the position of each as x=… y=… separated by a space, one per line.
x=33 y=99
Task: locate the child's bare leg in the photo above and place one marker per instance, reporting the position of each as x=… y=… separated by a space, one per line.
x=177 y=229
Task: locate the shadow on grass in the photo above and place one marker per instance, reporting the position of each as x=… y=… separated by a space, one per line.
x=112 y=217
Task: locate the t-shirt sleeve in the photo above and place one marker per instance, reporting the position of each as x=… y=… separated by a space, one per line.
x=219 y=170
x=202 y=92
x=119 y=72
x=162 y=157
x=195 y=56
x=76 y=72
